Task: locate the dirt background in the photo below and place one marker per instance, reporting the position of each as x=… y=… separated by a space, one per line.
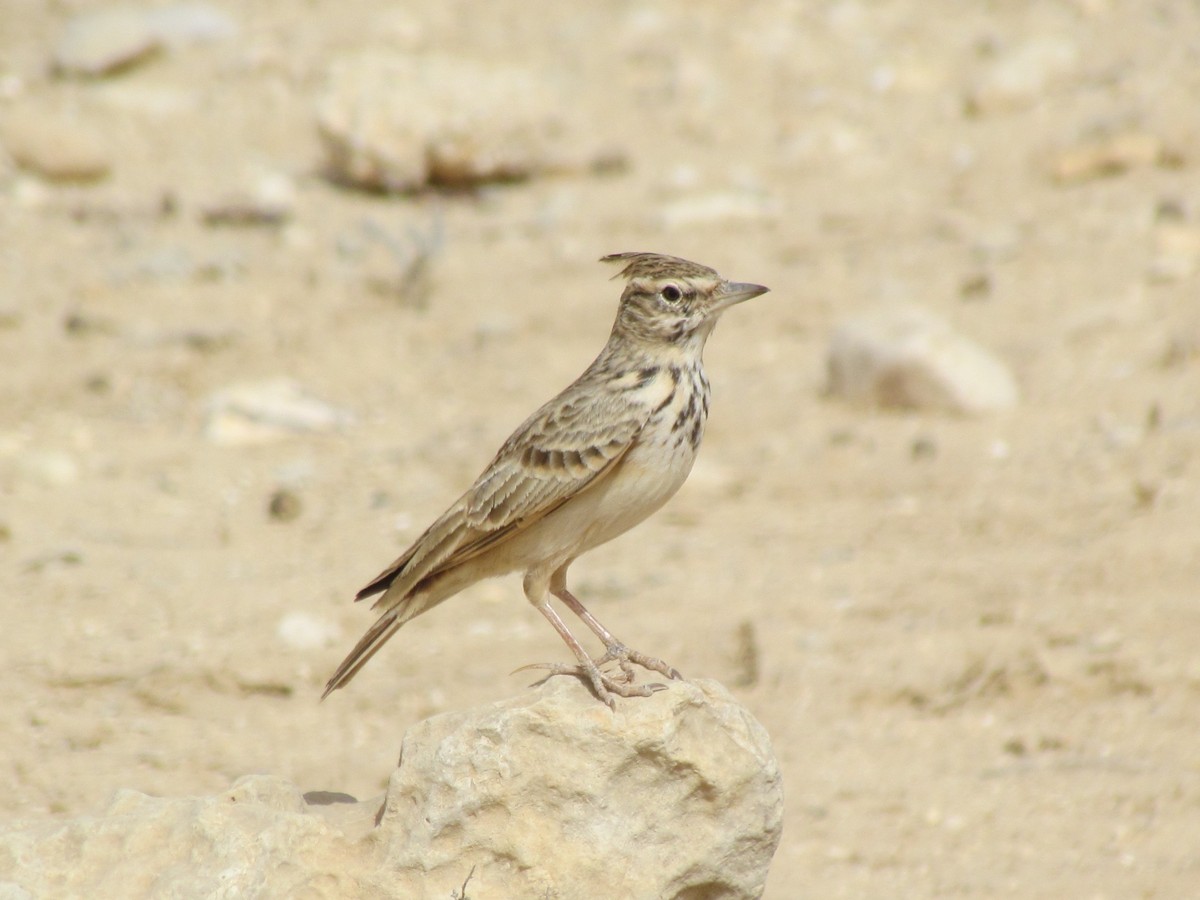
x=973 y=641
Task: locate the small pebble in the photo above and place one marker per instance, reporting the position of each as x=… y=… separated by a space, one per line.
x=1176 y=252
x=747 y=656
x=1020 y=76
x=55 y=147
x=48 y=468
x=924 y=447
x=270 y=410
x=285 y=506
x=304 y=631
x=269 y=201
x=103 y=42
x=190 y=23
x=718 y=208
x=976 y=287
x=1109 y=157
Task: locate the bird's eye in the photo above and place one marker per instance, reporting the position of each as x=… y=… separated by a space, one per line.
x=671 y=293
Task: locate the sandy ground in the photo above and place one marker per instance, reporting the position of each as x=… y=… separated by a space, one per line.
x=973 y=641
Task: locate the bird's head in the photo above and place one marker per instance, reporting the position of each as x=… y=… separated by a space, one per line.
x=669 y=300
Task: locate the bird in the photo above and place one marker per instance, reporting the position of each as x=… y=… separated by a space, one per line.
x=590 y=464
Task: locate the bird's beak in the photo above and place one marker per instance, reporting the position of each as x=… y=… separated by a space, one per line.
x=735 y=292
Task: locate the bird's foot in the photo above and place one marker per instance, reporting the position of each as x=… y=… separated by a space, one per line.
x=606 y=687
x=623 y=656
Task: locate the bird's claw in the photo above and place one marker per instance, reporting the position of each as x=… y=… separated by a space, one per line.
x=623 y=656
x=605 y=686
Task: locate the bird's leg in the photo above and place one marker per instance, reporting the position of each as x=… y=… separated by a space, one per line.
x=602 y=684
x=614 y=650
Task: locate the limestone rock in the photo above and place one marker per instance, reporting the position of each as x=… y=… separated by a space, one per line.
x=911 y=358
x=400 y=123
x=548 y=794
x=553 y=794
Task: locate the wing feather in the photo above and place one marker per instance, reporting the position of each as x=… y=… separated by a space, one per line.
x=564 y=448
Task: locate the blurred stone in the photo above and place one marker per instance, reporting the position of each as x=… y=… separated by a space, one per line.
x=81 y=325
x=1171 y=209
x=105 y=41
x=729 y=207
x=264 y=411
x=285 y=506
x=910 y=358
x=268 y=200
x=747 y=657
x=1020 y=76
x=55 y=147
x=923 y=447
x=190 y=23
x=1181 y=348
x=977 y=286
x=47 y=468
x=547 y=794
x=304 y=631
x=401 y=123
x=1108 y=157
x=1176 y=252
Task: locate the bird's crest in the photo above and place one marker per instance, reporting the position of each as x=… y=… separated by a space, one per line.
x=657 y=265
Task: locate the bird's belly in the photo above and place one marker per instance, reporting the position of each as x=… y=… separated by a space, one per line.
x=643 y=481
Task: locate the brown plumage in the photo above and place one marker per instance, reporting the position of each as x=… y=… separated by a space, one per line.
x=588 y=465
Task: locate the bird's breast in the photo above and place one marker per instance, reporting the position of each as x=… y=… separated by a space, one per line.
x=661 y=458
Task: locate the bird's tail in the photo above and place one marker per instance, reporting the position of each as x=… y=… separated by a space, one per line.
x=378 y=635
x=428 y=595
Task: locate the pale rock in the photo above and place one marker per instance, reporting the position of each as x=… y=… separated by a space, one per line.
x=12 y=86
x=1176 y=252
x=552 y=794
x=1020 y=76
x=304 y=631
x=48 y=468
x=718 y=208
x=1109 y=156
x=548 y=794
x=238 y=843
x=400 y=123
x=268 y=198
x=190 y=23
x=263 y=411
x=54 y=146
x=98 y=43
x=910 y=358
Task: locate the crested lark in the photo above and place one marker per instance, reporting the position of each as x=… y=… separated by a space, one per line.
x=589 y=465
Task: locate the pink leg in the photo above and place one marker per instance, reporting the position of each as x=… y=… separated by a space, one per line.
x=614 y=650
x=602 y=684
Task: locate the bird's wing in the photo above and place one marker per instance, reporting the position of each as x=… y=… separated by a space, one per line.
x=564 y=448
